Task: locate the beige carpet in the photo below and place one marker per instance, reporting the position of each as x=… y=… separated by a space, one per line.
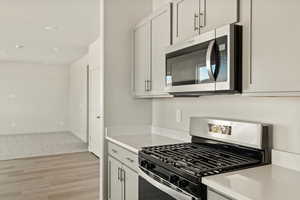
x=32 y=145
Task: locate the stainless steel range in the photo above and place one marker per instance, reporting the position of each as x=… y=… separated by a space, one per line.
x=175 y=171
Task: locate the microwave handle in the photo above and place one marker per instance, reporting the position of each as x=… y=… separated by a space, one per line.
x=208 y=60
x=175 y=194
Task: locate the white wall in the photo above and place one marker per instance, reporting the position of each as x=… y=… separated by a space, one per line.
x=33 y=98
x=95 y=50
x=78 y=98
x=120 y=107
x=282 y=112
x=158 y=3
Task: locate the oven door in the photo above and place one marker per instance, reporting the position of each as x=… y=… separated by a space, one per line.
x=152 y=187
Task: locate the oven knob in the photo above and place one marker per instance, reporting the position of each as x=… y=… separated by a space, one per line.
x=174 y=179
x=183 y=183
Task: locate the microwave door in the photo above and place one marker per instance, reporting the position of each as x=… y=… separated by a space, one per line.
x=228 y=44
x=188 y=71
x=212 y=62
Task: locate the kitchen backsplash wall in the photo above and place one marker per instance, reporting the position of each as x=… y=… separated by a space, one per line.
x=283 y=113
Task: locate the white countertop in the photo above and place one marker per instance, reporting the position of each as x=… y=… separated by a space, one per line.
x=269 y=182
x=136 y=141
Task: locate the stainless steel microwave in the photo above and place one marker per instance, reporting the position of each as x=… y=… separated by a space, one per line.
x=207 y=64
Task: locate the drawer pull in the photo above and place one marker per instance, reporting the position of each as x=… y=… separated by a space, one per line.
x=114 y=151
x=130 y=160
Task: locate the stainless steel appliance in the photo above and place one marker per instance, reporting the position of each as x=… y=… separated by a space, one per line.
x=174 y=172
x=209 y=63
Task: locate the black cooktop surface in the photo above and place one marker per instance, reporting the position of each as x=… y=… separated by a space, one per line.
x=199 y=160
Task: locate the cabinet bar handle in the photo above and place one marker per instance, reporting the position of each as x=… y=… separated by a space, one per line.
x=149 y=85
x=196 y=17
x=130 y=160
x=119 y=174
x=114 y=151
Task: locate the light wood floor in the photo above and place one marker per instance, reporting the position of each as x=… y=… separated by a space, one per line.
x=64 y=177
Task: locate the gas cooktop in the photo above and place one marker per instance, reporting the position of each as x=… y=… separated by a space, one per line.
x=200 y=160
x=217 y=146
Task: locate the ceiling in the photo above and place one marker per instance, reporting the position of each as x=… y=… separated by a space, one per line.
x=47 y=31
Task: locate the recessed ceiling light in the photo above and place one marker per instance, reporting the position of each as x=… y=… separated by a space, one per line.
x=51 y=28
x=20 y=46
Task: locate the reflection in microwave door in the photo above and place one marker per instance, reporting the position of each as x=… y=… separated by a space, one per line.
x=222 y=47
x=168 y=80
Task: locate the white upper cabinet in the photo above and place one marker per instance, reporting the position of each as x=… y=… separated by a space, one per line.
x=142 y=59
x=151 y=37
x=185 y=19
x=275 y=47
x=216 y=13
x=160 y=39
x=192 y=17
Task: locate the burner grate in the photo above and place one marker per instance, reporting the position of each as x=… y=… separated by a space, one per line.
x=199 y=160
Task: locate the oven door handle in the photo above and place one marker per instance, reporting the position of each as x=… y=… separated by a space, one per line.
x=208 y=60
x=175 y=194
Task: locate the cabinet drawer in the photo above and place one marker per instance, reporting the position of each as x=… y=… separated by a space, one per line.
x=115 y=150
x=130 y=159
x=127 y=157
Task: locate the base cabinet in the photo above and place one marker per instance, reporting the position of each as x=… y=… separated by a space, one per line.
x=122 y=181
x=131 y=181
x=114 y=183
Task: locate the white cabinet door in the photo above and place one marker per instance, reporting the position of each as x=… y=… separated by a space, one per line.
x=131 y=188
x=142 y=58
x=122 y=181
x=275 y=46
x=114 y=184
x=216 y=13
x=161 y=38
x=96 y=129
x=185 y=19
